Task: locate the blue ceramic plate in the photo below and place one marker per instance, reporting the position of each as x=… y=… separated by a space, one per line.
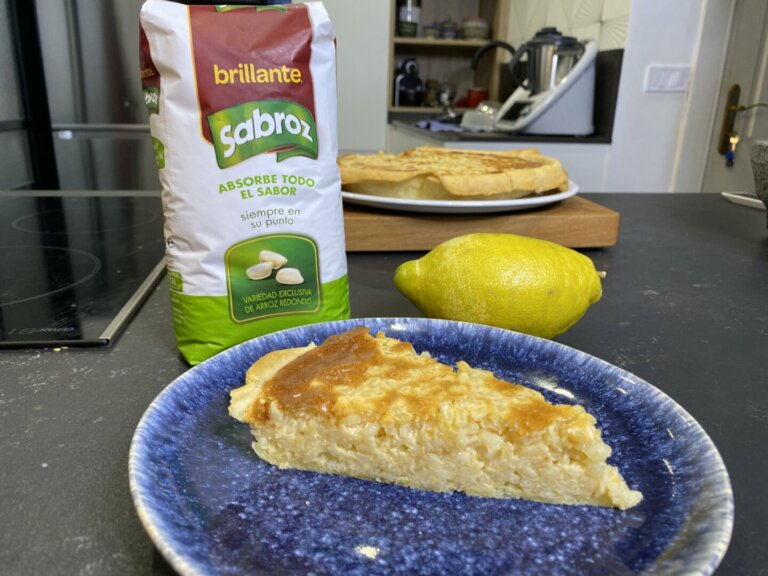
x=213 y=507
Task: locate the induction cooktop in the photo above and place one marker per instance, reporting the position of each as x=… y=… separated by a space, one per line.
x=76 y=266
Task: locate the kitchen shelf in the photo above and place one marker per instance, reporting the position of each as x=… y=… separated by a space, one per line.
x=440 y=42
x=447 y=60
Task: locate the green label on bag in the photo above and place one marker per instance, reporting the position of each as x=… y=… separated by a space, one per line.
x=229 y=7
x=256 y=289
x=252 y=128
x=191 y=312
x=174 y=281
x=152 y=99
x=159 y=150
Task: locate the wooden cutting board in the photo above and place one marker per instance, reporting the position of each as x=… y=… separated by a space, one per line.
x=574 y=222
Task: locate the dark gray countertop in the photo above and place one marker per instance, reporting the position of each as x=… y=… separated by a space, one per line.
x=684 y=307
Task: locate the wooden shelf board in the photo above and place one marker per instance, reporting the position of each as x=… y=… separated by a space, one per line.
x=457 y=43
x=421 y=109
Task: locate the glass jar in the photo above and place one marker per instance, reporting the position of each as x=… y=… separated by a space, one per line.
x=449 y=29
x=408 y=17
x=474 y=28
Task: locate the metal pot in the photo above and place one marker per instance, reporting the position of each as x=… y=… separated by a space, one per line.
x=551 y=56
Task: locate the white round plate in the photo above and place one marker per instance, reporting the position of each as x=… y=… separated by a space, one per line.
x=458 y=206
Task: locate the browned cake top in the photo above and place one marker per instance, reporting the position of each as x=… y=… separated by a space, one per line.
x=435 y=172
x=354 y=373
x=420 y=160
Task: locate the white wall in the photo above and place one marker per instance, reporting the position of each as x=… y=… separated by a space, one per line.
x=660 y=139
x=604 y=21
x=746 y=64
x=362 y=65
x=703 y=117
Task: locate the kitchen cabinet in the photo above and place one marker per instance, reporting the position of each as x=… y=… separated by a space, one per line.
x=447 y=61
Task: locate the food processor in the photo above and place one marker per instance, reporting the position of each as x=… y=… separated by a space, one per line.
x=556 y=93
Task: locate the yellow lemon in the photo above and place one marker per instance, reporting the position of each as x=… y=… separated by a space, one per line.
x=505 y=280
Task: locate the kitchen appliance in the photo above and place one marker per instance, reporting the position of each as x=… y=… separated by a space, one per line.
x=76 y=266
x=99 y=120
x=556 y=93
x=551 y=56
x=409 y=88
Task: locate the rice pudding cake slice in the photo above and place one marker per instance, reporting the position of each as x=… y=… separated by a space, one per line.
x=372 y=408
